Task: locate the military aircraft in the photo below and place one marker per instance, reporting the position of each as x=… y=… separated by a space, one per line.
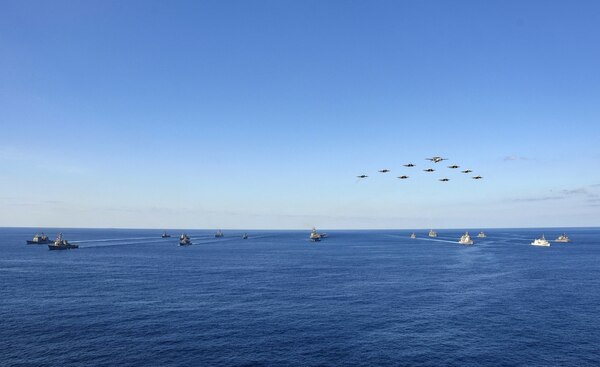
x=467 y=171
x=436 y=159
x=385 y=170
x=453 y=166
x=429 y=170
x=444 y=179
x=408 y=165
x=477 y=177
x=403 y=177
x=362 y=176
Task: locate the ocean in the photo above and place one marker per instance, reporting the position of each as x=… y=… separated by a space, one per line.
x=357 y=298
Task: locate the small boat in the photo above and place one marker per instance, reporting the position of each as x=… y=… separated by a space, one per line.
x=184 y=240
x=165 y=235
x=245 y=236
x=465 y=239
x=314 y=235
x=219 y=234
x=61 y=244
x=481 y=235
x=432 y=233
x=413 y=235
x=323 y=235
x=563 y=238
x=39 y=240
x=541 y=242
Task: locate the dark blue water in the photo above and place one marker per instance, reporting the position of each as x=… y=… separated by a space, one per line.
x=130 y=298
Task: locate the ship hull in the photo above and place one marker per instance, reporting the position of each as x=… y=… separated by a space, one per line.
x=68 y=247
x=39 y=242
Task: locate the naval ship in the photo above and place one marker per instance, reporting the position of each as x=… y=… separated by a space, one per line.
x=563 y=238
x=39 y=240
x=465 y=239
x=61 y=244
x=314 y=235
x=184 y=240
x=541 y=242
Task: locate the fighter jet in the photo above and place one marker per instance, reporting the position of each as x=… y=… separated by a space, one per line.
x=385 y=170
x=444 y=179
x=403 y=177
x=429 y=170
x=477 y=177
x=436 y=159
x=467 y=171
x=453 y=166
x=408 y=165
x=362 y=176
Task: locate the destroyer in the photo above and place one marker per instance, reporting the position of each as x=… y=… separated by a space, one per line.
x=541 y=242
x=465 y=239
x=61 y=244
x=39 y=240
x=563 y=238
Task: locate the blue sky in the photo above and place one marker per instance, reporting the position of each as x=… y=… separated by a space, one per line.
x=259 y=114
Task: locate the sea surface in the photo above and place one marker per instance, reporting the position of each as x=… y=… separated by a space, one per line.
x=357 y=298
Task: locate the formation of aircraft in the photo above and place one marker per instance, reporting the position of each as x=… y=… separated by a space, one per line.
x=434 y=159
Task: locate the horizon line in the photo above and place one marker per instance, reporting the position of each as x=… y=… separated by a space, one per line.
x=302 y=229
